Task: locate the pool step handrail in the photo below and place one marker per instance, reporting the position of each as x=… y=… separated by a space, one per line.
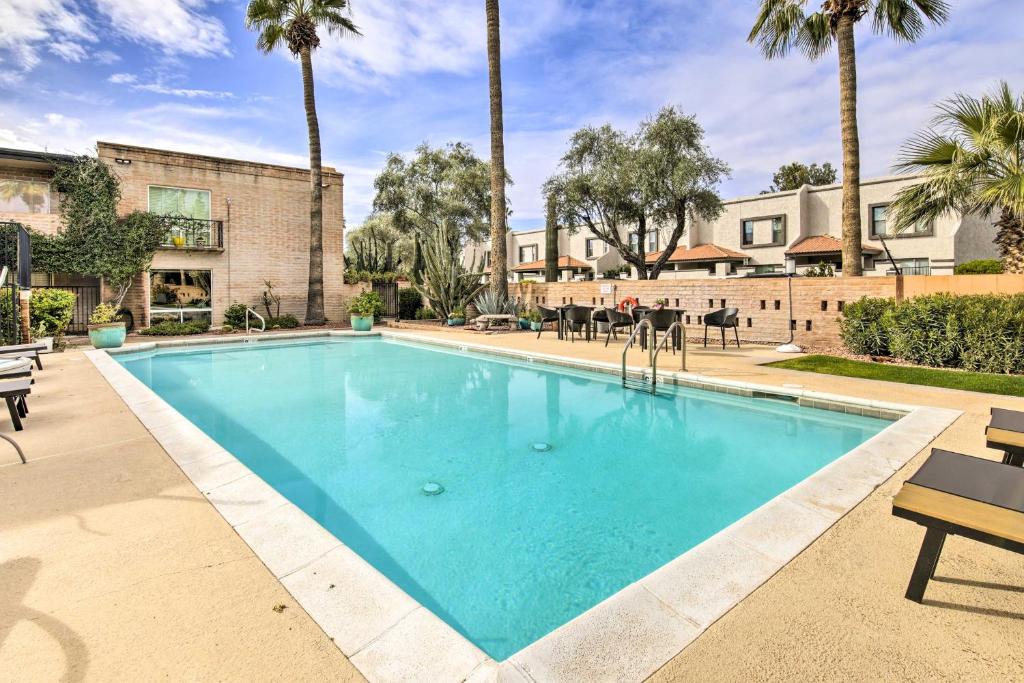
x=263 y=323
x=629 y=342
x=661 y=345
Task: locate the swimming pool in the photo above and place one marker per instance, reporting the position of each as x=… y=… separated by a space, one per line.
x=557 y=488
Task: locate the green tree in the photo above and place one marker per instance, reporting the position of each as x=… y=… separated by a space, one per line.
x=499 y=207
x=374 y=246
x=784 y=25
x=972 y=160
x=614 y=184
x=294 y=23
x=795 y=175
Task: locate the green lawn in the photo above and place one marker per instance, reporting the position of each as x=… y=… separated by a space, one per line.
x=1008 y=385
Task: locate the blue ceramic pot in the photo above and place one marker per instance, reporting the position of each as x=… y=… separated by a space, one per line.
x=362 y=323
x=108 y=336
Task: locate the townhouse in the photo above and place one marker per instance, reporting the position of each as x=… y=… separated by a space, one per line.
x=759 y=234
x=234 y=225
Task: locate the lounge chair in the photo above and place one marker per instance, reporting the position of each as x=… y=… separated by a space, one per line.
x=616 y=321
x=577 y=320
x=723 y=319
x=25 y=351
x=11 y=368
x=14 y=392
x=547 y=315
x=962 y=495
x=1005 y=432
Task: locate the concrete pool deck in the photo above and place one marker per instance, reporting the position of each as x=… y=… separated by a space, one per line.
x=137 y=601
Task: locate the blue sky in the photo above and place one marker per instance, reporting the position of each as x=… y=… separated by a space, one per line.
x=184 y=74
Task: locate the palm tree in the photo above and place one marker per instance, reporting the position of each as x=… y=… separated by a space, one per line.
x=294 y=23
x=783 y=25
x=972 y=160
x=499 y=257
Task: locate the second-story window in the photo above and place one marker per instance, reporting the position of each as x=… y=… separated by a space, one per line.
x=528 y=253
x=778 y=230
x=24 y=196
x=596 y=247
x=748 y=233
x=190 y=207
x=880 y=225
x=768 y=231
x=487 y=258
x=652 y=241
x=634 y=241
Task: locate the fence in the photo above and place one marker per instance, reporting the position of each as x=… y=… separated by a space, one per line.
x=764 y=303
x=87 y=297
x=389 y=293
x=14 y=252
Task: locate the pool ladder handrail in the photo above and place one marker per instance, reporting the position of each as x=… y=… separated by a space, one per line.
x=661 y=345
x=263 y=323
x=629 y=342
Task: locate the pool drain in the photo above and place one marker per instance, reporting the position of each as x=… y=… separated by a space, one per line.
x=432 y=488
x=541 y=447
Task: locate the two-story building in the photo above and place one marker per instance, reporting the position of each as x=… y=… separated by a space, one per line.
x=758 y=234
x=235 y=225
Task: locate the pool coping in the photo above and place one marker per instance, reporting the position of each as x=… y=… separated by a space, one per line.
x=388 y=636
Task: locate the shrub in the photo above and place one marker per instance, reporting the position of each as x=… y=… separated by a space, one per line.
x=983 y=333
x=427 y=314
x=409 y=302
x=103 y=314
x=286 y=321
x=862 y=327
x=234 y=315
x=50 y=312
x=173 y=328
x=367 y=303
x=987 y=266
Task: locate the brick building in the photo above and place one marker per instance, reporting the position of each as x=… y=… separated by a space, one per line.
x=235 y=224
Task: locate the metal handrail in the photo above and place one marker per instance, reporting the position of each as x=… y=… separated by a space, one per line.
x=263 y=322
x=661 y=345
x=632 y=336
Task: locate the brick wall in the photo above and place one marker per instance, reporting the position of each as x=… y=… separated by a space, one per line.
x=265 y=211
x=763 y=302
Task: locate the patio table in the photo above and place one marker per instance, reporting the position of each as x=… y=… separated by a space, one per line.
x=561 y=316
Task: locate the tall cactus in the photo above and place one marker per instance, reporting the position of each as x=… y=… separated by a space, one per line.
x=448 y=284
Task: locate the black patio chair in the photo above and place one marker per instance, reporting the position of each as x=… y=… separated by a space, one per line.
x=547 y=315
x=661 y=320
x=616 y=321
x=577 y=319
x=722 y=319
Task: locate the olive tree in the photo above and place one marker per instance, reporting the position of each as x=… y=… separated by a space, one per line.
x=613 y=184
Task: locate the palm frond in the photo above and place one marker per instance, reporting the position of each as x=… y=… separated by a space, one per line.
x=815 y=37
x=904 y=20
x=777 y=27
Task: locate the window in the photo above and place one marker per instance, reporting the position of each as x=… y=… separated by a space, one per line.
x=179 y=295
x=652 y=241
x=487 y=258
x=596 y=247
x=912 y=266
x=24 y=196
x=879 y=225
x=634 y=241
x=769 y=231
x=179 y=201
x=528 y=253
x=764 y=270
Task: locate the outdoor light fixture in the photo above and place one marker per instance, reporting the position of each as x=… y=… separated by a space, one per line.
x=790 y=347
x=123 y=162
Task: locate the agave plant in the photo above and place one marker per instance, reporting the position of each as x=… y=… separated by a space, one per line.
x=491 y=303
x=447 y=284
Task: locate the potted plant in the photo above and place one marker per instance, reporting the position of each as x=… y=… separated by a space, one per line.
x=50 y=312
x=105 y=331
x=660 y=304
x=178 y=241
x=364 y=308
x=457 y=317
x=524 y=317
x=534 y=318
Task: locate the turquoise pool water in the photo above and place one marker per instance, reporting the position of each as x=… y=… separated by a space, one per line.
x=519 y=541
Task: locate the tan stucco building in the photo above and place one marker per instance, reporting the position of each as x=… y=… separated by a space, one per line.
x=757 y=234
x=235 y=225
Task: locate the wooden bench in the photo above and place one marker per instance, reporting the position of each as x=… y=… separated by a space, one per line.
x=965 y=496
x=484 y=322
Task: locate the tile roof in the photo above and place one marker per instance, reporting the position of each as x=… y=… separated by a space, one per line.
x=824 y=244
x=700 y=252
x=564 y=263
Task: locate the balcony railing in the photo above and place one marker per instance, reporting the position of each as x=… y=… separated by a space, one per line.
x=193 y=233
x=911 y=270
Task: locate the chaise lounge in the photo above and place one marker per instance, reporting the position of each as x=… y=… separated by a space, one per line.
x=24 y=351
x=965 y=496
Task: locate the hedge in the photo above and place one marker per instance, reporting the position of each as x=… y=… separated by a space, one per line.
x=409 y=301
x=984 y=332
x=980 y=267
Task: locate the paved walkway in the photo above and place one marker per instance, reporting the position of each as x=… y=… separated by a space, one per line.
x=112 y=565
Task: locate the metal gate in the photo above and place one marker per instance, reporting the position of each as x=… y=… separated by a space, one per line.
x=10 y=306
x=389 y=292
x=87 y=297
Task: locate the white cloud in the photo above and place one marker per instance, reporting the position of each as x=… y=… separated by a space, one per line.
x=68 y=50
x=177 y=27
x=25 y=25
x=162 y=89
x=106 y=57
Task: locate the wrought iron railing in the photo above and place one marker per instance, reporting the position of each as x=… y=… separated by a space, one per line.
x=910 y=270
x=193 y=233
